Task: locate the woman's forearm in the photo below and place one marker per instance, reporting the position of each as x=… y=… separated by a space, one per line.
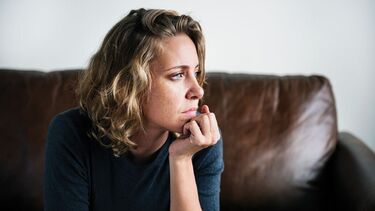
x=184 y=193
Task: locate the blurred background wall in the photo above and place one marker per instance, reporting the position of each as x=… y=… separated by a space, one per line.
x=335 y=38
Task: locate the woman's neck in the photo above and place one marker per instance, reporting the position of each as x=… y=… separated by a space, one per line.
x=147 y=144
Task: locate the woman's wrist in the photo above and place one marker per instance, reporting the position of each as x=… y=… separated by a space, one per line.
x=176 y=158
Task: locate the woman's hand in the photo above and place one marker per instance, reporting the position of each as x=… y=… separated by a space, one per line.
x=200 y=132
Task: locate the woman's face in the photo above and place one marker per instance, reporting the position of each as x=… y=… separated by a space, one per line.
x=175 y=91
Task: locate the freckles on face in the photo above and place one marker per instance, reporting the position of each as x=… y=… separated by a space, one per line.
x=173 y=82
x=165 y=97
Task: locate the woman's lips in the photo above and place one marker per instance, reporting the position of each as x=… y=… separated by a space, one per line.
x=192 y=112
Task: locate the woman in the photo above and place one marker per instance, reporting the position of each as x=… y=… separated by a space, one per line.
x=138 y=142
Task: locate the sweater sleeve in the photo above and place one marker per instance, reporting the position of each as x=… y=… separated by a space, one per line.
x=66 y=166
x=208 y=166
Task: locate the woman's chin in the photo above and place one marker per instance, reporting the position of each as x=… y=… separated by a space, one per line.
x=178 y=128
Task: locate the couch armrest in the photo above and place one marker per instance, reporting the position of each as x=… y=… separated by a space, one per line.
x=354 y=174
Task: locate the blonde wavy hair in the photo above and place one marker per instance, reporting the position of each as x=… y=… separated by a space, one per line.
x=118 y=79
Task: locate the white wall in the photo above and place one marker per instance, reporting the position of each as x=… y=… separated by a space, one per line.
x=335 y=38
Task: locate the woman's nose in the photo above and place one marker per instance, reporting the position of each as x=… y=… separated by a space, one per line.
x=195 y=90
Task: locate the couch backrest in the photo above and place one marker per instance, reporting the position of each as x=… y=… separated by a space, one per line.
x=278 y=134
x=28 y=101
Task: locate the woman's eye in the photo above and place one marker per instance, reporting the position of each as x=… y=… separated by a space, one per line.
x=197 y=73
x=177 y=76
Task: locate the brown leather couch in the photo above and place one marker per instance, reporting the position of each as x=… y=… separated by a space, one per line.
x=282 y=150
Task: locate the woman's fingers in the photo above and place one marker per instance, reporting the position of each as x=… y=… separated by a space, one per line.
x=214 y=127
x=196 y=136
x=205 y=109
x=202 y=131
x=204 y=123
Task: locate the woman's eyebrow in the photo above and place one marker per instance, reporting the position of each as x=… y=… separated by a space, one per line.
x=180 y=67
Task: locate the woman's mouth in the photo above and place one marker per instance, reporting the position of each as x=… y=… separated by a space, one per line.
x=191 y=112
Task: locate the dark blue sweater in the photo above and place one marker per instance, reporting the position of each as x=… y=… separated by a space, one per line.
x=81 y=174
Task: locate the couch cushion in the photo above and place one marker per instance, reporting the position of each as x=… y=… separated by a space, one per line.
x=278 y=134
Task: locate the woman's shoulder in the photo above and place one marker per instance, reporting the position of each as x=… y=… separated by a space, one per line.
x=67 y=154
x=74 y=119
x=69 y=128
x=73 y=115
